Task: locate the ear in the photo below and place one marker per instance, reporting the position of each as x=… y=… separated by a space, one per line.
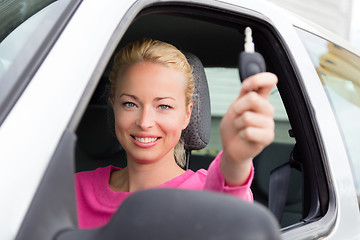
x=187 y=115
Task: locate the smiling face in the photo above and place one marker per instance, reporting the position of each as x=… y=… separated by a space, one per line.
x=150 y=111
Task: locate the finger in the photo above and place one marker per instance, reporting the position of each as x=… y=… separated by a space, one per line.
x=252 y=102
x=252 y=119
x=262 y=83
x=257 y=135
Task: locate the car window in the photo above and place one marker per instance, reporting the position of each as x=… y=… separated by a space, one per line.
x=224 y=88
x=339 y=73
x=25 y=28
x=18 y=21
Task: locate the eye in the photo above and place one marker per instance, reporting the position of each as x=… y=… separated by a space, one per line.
x=164 y=107
x=129 y=104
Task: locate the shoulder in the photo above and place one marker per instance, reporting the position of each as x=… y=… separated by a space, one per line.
x=86 y=175
x=95 y=176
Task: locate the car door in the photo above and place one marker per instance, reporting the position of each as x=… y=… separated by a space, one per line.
x=41 y=100
x=67 y=80
x=214 y=32
x=335 y=62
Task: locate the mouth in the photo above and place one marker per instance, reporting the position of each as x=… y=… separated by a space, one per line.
x=145 y=139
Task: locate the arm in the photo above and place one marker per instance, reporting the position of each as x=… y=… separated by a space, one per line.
x=215 y=181
x=246 y=128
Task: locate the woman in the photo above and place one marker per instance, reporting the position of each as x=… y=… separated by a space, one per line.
x=151 y=95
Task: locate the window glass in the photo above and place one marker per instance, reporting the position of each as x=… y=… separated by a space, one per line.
x=24 y=26
x=339 y=72
x=224 y=88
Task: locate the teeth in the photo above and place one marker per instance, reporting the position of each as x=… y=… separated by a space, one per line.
x=145 y=140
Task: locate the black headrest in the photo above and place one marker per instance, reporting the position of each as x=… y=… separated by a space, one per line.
x=197 y=134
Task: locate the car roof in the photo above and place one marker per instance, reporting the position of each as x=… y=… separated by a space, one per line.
x=169 y=23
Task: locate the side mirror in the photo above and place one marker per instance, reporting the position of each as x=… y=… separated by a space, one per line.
x=183 y=214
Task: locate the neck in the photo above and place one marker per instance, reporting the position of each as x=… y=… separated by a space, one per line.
x=139 y=176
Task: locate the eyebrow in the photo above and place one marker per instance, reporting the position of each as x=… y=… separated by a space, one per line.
x=128 y=95
x=156 y=99
x=162 y=98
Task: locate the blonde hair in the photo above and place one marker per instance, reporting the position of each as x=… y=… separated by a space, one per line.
x=154 y=51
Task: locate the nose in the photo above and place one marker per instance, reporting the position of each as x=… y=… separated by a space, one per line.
x=146 y=118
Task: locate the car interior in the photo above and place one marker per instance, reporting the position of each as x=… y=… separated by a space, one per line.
x=216 y=38
x=290 y=179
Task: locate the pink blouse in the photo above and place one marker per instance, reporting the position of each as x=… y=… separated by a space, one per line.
x=97 y=202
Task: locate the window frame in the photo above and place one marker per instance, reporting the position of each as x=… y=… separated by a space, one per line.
x=303 y=118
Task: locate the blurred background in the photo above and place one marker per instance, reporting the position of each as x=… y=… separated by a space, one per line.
x=339 y=16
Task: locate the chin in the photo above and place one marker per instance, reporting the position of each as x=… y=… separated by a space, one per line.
x=143 y=158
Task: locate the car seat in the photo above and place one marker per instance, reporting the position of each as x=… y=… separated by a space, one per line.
x=97 y=145
x=273 y=156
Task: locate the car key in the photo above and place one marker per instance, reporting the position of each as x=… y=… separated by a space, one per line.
x=250 y=62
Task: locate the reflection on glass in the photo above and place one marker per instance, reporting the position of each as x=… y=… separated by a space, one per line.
x=339 y=72
x=24 y=25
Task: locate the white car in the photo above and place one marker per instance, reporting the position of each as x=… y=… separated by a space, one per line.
x=54 y=58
